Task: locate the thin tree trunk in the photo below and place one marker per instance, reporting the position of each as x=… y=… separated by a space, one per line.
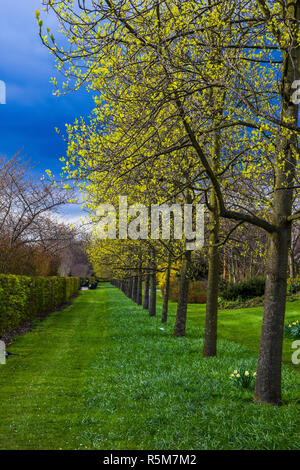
x=164 y=316
x=224 y=267
x=135 y=289
x=180 y=323
x=130 y=287
x=152 y=302
x=291 y=265
x=251 y=268
x=211 y=321
x=139 y=289
x=146 y=292
x=233 y=268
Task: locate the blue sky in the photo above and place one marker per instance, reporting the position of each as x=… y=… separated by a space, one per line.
x=31 y=113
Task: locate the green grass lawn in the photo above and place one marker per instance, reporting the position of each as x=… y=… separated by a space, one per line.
x=242 y=325
x=102 y=375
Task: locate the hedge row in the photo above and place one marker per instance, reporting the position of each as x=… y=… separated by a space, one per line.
x=254 y=287
x=91 y=279
x=23 y=298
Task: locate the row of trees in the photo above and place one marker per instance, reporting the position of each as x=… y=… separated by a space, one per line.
x=195 y=102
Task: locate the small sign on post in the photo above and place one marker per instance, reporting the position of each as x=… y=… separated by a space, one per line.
x=2 y=353
x=2 y=92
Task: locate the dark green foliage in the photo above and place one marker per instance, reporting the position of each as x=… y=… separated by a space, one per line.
x=23 y=298
x=14 y=295
x=254 y=287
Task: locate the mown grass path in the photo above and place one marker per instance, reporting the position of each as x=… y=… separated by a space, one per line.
x=102 y=375
x=41 y=389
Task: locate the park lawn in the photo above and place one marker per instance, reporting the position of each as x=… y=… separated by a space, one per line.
x=242 y=325
x=103 y=375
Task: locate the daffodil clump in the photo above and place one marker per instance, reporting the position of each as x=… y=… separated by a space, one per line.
x=292 y=329
x=243 y=377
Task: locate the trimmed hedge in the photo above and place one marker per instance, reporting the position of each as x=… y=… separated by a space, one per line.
x=23 y=298
x=254 y=287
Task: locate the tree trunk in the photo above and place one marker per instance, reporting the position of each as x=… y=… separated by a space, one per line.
x=164 y=316
x=291 y=265
x=146 y=292
x=233 y=268
x=135 y=289
x=211 y=321
x=131 y=288
x=139 y=290
x=180 y=323
x=224 y=268
x=128 y=288
x=268 y=382
x=152 y=302
x=251 y=267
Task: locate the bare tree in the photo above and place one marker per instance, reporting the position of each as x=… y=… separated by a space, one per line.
x=27 y=222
